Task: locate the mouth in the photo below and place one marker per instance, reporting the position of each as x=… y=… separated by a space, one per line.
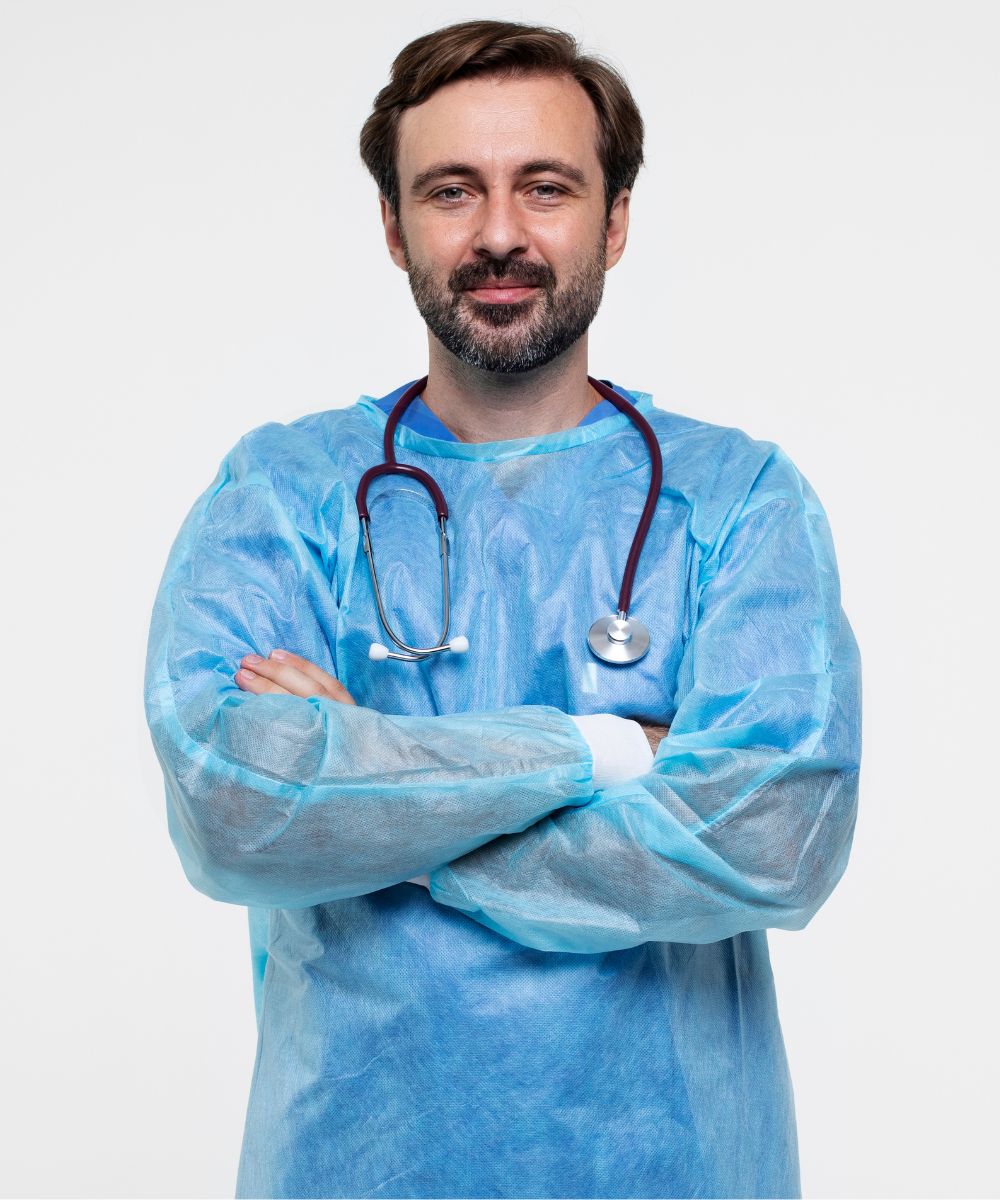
x=501 y=292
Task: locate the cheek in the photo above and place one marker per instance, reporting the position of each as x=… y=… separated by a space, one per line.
x=568 y=242
x=443 y=241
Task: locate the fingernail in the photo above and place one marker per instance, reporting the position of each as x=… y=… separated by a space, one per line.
x=252 y=658
x=280 y=655
x=246 y=674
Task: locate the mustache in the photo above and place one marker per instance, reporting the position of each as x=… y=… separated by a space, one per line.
x=517 y=270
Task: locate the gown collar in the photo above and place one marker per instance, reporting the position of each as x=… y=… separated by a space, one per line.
x=422 y=431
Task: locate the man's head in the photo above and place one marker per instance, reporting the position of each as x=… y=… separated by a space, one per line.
x=504 y=160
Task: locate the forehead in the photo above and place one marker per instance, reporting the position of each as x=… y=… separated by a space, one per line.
x=495 y=123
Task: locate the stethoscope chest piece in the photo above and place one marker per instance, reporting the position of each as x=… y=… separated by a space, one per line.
x=618 y=640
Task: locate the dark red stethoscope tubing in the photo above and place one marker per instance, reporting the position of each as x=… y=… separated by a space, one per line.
x=652 y=495
x=391 y=467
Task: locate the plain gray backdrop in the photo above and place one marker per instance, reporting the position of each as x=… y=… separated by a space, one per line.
x=190 y=247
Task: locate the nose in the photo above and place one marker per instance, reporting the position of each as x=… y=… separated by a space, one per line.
x=501 y=229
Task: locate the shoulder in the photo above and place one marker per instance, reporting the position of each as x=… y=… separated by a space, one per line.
x=304 y=466
x=719 y=471
x=306 y=457
x=316 y=442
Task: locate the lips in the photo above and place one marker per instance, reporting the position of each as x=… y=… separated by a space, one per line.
x=501 y=291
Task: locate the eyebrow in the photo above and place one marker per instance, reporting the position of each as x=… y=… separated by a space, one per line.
x=548 y=166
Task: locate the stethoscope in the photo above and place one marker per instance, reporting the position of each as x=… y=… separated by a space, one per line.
x=618 y=639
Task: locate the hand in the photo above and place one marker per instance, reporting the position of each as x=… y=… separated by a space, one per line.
x=654 y=733
x=287 y=674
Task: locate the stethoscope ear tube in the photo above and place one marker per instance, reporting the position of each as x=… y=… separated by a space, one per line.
x=410 y=653
x=395 y=468
x=378 y=652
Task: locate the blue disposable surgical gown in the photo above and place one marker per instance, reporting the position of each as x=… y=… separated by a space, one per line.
x=582 y=1005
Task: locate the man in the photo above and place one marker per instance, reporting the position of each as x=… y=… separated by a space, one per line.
x=501 y=950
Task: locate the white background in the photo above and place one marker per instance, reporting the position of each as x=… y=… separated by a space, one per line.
x=190 y=247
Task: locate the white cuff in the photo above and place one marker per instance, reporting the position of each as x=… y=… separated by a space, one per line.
x=619 y=747
x=423 y=880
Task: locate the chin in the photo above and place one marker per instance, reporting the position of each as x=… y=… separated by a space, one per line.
x=497 y=316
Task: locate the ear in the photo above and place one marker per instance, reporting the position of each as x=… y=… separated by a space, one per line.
x=617 y=229
x=390 y=223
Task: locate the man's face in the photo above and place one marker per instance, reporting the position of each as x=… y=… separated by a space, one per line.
x=501 y=224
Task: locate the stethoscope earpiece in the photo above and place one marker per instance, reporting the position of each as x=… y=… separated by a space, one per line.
x=379 y=653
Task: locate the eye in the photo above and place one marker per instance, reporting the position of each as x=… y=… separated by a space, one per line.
x=546 y=191
x=450 y=194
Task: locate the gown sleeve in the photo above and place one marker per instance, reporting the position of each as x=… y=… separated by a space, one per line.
x=283 y=802
x=746 y=817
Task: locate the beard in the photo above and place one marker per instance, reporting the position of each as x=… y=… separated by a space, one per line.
x=508 y=338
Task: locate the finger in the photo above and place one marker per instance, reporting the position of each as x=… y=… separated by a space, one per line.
x=278 y=669
x=259 y=685
x=330 y=683
x=290 y=679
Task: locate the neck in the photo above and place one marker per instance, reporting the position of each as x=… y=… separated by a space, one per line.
x=484 y=406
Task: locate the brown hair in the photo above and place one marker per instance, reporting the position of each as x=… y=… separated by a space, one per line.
x=472 y=48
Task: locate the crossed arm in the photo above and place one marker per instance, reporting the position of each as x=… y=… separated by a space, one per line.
x=284 y=793
x=283 y=673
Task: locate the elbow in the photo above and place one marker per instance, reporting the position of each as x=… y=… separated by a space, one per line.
x=775 y=863
x=797 y=891
x=244 y=835
x=211 y=854
x=241 y=846
x=225 y=833
x=227 y=860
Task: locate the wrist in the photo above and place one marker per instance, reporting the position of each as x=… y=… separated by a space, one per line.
x=618 y=746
